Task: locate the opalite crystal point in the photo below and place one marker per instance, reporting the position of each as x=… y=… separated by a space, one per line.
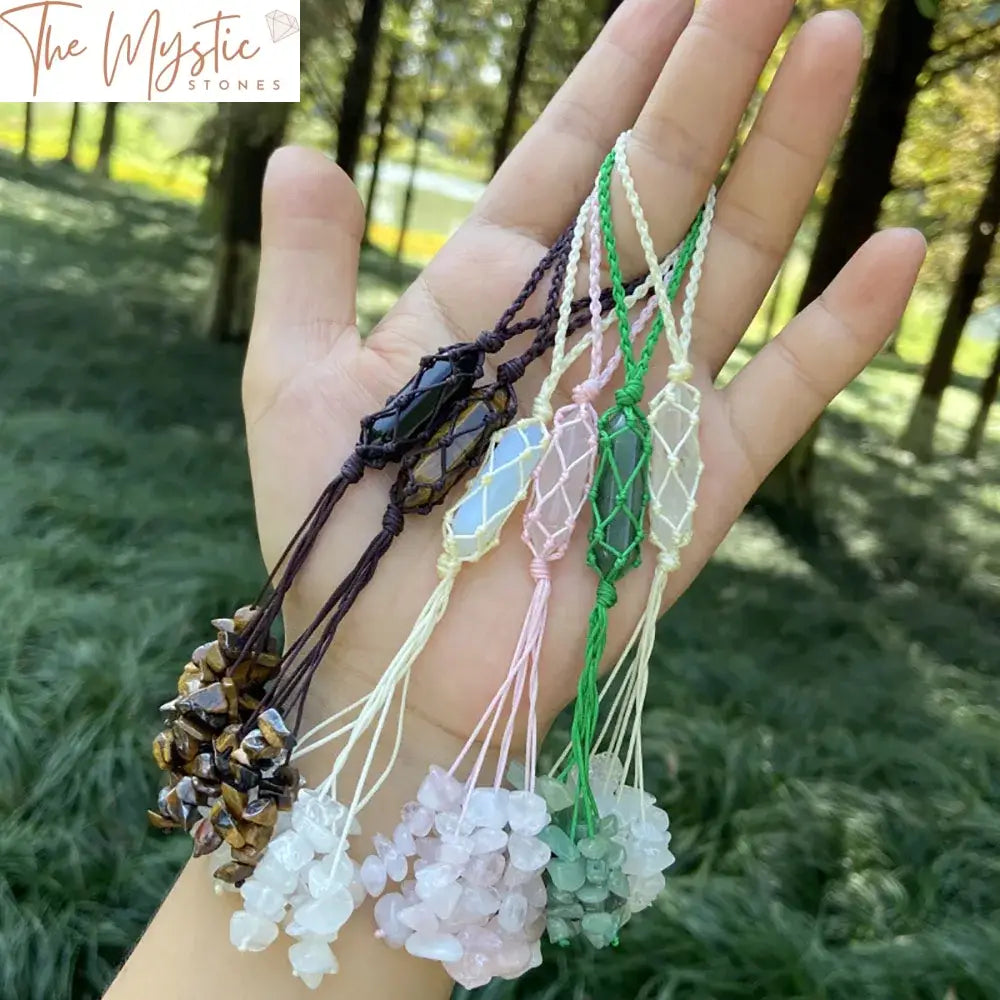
x=476 y=520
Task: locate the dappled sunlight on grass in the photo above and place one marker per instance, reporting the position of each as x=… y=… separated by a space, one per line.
x=822 y=725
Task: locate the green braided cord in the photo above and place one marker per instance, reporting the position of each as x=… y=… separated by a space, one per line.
x=624 y=417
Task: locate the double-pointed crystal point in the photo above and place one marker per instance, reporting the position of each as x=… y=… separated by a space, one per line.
x=473 y=525
x=620 y=493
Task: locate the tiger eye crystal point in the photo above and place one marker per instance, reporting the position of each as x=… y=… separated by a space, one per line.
x=190 y=680
x=455 y=448
x=225 y=825
x=255 y=836
x=202 y=766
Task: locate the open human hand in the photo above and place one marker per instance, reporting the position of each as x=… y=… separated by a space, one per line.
x=681 y=81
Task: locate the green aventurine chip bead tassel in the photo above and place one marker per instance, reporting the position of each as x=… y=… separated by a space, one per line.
x=620 y=492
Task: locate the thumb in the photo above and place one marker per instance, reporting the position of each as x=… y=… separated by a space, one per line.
x=311 y=234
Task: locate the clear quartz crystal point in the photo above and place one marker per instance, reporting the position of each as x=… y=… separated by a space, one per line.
x=473 y=525
x=675 y=465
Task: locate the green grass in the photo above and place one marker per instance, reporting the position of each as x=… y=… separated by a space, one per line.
x=823 y=722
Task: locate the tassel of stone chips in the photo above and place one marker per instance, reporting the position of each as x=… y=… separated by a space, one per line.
x=226 y=784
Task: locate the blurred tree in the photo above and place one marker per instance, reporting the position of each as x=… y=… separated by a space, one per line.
x=29 y=112
x=430 y=57
x=987 y=397
x=69 y=157
x=399 y=34
x=901 y=48
x=918 y=437
x=253 y=132
x=504 y=139
x=357 y=87
x=102 y=166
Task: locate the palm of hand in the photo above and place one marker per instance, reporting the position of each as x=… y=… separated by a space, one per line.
x=309 y=378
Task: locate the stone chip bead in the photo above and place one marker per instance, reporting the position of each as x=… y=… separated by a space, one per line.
x=468 y=904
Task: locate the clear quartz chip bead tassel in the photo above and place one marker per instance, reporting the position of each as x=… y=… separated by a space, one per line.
x=676 y=465
x=562 y=481
x=473 y=525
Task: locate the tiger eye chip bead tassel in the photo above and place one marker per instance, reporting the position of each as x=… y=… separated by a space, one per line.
x=223 y=786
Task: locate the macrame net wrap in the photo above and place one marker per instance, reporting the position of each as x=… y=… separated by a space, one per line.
x=675 y=466
x=442 y=379
x=620 y=494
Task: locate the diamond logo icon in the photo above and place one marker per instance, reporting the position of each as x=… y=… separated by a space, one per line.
x=281 y=25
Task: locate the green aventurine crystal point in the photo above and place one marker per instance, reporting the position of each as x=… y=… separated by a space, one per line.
x=620 y=492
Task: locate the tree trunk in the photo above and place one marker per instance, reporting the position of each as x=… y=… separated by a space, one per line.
x=404 y=221
x=69 y=157
x=505 y=136
x=29 y=119
x=357 y=86
x=891 y=346
x=103 y=165
x=254 y=132
x=384 y=121
x=902 y=46
x=987 y=397
x=918 y=437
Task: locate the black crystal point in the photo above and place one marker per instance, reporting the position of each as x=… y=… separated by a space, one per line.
x=413 y=414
